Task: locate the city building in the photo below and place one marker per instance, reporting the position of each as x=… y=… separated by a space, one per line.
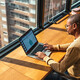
x=16 y=17
x=3 y=24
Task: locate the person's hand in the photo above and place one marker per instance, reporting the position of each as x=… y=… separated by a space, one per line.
x=48 y=47
x=40 y=55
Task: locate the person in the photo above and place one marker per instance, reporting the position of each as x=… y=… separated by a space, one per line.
x=71 y=60
x=75 y=11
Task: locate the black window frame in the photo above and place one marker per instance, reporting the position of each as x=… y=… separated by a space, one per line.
x=40 y=24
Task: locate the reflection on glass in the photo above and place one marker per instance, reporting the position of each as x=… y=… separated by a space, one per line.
x=74 y=1
x=53 y=7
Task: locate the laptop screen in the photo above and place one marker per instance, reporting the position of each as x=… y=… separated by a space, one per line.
x=28 y=40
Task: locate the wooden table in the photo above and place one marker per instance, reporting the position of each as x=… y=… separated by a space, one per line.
x=18 y=66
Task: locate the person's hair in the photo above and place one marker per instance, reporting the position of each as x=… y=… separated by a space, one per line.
x=75 y=11
x=75 y=19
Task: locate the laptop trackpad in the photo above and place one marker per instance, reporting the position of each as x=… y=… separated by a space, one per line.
x=47 y=52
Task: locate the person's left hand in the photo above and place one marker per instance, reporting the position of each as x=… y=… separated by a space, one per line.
x=40 y=55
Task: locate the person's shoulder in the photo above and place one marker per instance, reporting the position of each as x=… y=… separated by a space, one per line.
x=75 y=43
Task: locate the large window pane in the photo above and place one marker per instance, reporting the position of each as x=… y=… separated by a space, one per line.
x=52 y=8
x=20 y=15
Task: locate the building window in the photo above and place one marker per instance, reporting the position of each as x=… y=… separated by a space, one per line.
x=2 y=3
x=20 y=16
x=33 y=2
x=5 y=39
x=3 y=11
x=32 y=20
x=4 y=18
x=32 y=11
x=12 y=22
x=22 y=24
x=24 y=1
x=23 y=8
x=4 y=26
x=5 y=33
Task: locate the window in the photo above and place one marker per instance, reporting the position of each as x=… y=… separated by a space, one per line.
x=4 y=18
x=12 y=22
x=5 y=32
x=19 y=31
x=4 y=26
x=33 y=2
x=5 y=39
x=24 y=1
x=32 y=11
x=13 y=5
x=32 y=20
x=21 y=16
x=2 y=3
x=3 y=11
x=22 y=8
x=52 y=8
x=22 y=24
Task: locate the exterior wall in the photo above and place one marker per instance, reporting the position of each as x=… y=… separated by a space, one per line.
x=16 y=17
x=21 y=16
x=3 y=24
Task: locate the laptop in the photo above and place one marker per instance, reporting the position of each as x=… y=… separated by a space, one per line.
x=31 y=45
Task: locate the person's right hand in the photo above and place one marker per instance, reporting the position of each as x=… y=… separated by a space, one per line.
x=48 y=47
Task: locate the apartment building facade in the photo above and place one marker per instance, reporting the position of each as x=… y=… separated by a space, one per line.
x=3 y=24
x=16 y=17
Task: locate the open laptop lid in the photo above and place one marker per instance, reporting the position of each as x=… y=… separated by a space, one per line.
x=28 y=41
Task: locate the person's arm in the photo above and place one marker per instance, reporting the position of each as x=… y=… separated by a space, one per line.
x=61 y=47
x=71 y=57
x=58 y=47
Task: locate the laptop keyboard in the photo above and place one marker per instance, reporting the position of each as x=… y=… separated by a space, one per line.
x=38 y=48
